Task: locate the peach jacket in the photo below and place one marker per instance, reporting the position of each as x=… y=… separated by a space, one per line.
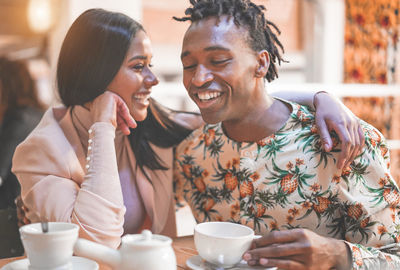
x=58 y=184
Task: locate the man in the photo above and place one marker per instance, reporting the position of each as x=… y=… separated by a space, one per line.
x=258 y=161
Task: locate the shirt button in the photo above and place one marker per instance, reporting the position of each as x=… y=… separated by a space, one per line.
x=87 y=158
x=89 y=148
x=87 y=166
x=90 y=141
x=90 y=131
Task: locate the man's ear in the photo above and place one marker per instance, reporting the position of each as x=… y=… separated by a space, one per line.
x=263 y=64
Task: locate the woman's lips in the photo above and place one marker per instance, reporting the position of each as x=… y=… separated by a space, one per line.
x=142 y=98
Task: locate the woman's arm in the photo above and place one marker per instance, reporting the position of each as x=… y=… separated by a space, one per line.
x=331 y=115
x=55 y=188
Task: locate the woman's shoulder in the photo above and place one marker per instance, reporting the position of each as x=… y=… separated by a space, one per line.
x=48 y=133
x=46 y=144
x=189 y=120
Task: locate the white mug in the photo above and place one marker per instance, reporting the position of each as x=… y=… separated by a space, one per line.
x=51 y=250
x=222 y=243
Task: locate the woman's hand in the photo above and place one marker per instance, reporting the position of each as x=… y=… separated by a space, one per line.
x=111 y=108
x=331 y=114
x=298 y=249
x=21 y=212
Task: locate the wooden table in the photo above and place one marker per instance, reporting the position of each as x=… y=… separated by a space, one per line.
x=183 y=247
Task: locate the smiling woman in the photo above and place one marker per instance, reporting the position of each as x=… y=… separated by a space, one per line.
x=86 y=158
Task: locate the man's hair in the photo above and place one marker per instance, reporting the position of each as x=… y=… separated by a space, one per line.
x=247 y=14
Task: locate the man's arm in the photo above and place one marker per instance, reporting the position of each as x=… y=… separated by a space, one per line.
x=367 y=219
x=371 y=209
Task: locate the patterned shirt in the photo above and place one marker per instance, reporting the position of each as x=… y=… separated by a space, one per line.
x=287 y=181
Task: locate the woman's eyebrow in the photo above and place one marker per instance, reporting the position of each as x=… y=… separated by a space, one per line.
x=142 y=57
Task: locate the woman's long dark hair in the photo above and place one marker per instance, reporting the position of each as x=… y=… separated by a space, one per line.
x=90 y=57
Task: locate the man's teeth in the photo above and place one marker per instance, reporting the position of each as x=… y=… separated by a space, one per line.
x=208 y=96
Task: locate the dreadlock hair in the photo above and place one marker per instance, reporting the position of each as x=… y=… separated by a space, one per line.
x=244 y=13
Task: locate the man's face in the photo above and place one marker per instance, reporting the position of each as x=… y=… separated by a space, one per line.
x=219 y=69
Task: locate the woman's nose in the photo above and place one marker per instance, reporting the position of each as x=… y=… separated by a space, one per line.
x=150 y=79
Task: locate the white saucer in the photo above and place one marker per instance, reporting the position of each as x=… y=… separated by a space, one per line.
x=78 y=263
x=197 y=263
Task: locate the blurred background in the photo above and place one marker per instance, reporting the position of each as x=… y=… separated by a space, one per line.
x=349 y=47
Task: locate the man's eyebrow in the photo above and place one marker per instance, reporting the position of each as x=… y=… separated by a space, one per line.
x=142 y=57
x=216 y=48
x=212 y=48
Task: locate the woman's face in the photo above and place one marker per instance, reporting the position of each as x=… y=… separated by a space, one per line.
x=134 y=79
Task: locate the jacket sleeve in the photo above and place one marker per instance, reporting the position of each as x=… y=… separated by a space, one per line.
x=48 y=171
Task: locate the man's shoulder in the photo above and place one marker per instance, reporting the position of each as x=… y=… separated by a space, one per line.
x=200 y=135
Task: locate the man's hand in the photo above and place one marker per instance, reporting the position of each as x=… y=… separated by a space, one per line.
x=298 y=249
x=111 y=108
x=331 y=114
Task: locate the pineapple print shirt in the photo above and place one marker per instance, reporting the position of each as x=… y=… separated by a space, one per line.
x=287 y=181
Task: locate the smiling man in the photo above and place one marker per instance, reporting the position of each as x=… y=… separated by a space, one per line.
x=258 y=160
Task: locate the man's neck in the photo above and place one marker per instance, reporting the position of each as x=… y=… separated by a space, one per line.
x=261 y=122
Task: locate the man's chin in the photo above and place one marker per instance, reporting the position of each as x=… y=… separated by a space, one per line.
x=210 y=119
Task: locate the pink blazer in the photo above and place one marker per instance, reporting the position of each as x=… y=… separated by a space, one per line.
x=49 y=165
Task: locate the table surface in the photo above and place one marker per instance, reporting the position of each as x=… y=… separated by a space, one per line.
x=183 y=247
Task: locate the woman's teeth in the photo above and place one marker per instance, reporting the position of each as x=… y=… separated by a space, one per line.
x=207 y=96
x=141 y=96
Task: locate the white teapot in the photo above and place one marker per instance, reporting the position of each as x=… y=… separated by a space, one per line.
x=137 y=252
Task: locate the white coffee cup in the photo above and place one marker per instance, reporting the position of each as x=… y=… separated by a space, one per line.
x=51 y=250
x=222 y=243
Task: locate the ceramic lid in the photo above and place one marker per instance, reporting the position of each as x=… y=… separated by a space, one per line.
x=146 y=238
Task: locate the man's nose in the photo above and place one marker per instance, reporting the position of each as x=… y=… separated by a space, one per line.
x=201 y=76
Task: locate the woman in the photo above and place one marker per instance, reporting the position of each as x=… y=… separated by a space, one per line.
x=104 y=160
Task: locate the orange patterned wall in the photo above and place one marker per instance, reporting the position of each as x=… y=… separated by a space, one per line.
x=371 y=55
